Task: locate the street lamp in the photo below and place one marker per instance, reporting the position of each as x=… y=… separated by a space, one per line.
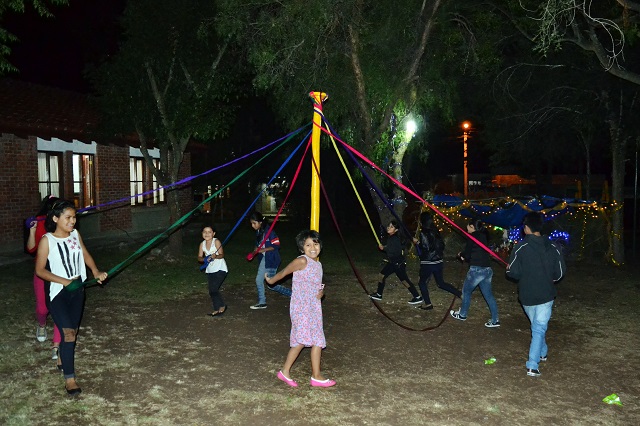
x=466 y=128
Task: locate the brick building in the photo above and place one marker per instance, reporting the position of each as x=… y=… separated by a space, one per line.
x=48 y=146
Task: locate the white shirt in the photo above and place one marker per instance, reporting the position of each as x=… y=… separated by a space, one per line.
x=217 y=264
x=66 y=260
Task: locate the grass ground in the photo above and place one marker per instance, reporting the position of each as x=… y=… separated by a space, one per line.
x=148 y=354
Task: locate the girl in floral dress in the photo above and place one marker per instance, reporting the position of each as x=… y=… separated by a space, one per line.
x=305 y=308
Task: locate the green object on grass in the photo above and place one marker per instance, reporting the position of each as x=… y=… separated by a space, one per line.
x=75 y=285
x=612 y=399
x=489 y=361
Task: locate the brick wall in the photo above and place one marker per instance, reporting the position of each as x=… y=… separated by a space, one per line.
x=19 y=197
x=113 y=183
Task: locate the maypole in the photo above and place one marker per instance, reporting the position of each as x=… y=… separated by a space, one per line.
x=318 y=98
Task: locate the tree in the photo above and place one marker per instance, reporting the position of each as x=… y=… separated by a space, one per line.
x=374 y=59
x=6 y=37
x=172 y=81
x=605 y=31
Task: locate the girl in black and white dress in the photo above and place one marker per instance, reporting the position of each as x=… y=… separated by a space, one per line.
x=61 y=261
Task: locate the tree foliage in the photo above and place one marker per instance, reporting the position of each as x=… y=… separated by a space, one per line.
x=172 y=81
x=18 y=6
x=596 y=42
x=382 y=65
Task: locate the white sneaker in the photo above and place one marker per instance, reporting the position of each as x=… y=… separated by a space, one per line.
x=259 y=306
x=41 y=333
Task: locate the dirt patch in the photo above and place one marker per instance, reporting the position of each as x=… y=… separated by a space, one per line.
x=168 y=363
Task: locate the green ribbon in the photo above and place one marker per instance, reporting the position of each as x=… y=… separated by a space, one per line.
x=75 y=285
x=113 y=271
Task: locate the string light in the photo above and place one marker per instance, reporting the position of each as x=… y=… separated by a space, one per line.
x=582 y=211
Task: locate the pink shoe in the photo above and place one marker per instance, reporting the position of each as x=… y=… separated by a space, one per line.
x=327 y=383
x=287 y=380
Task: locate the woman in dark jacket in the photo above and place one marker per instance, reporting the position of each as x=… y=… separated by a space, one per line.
x=480 y=274
x=431 y=251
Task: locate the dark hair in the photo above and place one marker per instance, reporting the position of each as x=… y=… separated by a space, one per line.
x=426 y=221
x=477 y=224
x=534 y=221
x=302 y=237
x=257 y=216
x=46 y=204
x=208 y=226
x=394 y=223
x=56 y=210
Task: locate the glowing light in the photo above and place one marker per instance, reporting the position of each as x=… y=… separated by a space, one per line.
x=411 y=128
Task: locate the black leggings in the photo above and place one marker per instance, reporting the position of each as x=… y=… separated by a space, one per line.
x=66 y=310
x=400 y=269
x=436 y=269
x=215 y=281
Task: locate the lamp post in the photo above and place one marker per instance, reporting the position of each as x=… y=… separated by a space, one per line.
x=466 y=127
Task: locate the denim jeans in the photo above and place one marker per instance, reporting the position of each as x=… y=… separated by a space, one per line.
x=479 y=276
x=262 y=269
x=66 y=310
x=539 y=316
x=426 y=270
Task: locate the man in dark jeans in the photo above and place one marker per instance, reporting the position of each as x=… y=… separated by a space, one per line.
x=537 y=264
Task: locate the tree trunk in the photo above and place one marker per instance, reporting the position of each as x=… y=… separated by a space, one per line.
x=175 y=213
x=399 y=199
x=618 y=144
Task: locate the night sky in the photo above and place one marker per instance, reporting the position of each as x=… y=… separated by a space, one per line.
x=54 y=51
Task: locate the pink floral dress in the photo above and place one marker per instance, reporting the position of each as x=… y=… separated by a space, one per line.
x=306 y=308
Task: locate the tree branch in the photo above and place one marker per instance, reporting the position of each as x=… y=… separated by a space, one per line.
x=631 y=5
x=161 y=106
x=361 y=92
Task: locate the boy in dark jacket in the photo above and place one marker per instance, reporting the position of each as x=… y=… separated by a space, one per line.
x=537 y=264
x=396 y=264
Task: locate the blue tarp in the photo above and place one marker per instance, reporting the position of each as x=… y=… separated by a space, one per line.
x=507 y=213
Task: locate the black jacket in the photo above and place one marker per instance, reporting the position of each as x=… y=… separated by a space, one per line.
x=431 y=246
x=474 y=254
x=537 y=264
x=394 y=249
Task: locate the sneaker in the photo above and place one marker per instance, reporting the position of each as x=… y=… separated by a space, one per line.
x=258 y=306
x=54 y=352
x=533 y=372
x=491 y=324
x=428 y=307
x=41 y=333
x=456 y=315
x=416 y=300
x=543 y=358
x=375 y=296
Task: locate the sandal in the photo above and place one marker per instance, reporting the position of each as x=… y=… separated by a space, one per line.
x=218 y=313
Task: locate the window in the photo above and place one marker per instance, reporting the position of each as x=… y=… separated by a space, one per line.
x=83 y=180
x=137 y=180
x=49 y=173
x=158 y=196
x=142 y=180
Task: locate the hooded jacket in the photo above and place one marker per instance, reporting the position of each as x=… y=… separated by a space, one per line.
x=536 y=263
x=474 y=254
